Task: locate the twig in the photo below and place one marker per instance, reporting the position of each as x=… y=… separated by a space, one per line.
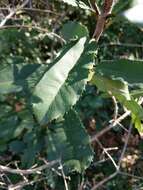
x=53 y=169
x=111 y=126
x=23 y=176
x=122 y=154
x=95 y=7
x=22 y=184
x=123 y=127
x=111 y=148
x=125 y=145
x=105 y=180
x=107 y=153
x=100 y=162
x=13 y=12
x=63 y=175
x=28 y=171
x=130 y=175
x=115 y=108
x=81 y=185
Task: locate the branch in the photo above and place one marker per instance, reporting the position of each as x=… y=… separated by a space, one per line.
x=28 y=171
x=101 y=21
x=63 y=175
x=108 y=6
x=111 y=126
x=105 y=180
x=94 y=7
x=20 y=185
x=125 y=145
x=107 y=153
x=13 y=12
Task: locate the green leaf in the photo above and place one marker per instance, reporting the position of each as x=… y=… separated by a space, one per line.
x=16 y=146
x=138 y=125
x=116 y=87
x=12 y=125
x=8 y=128
x=135 y=108
x=137 y=93
x=74 y=30
x=119 y=89
x=52 y=97
x=7 y=80
x=5 y=110
x=70 y=142
x=129 y=70
x=15 y=78
x=78 y=3
x=34 y=144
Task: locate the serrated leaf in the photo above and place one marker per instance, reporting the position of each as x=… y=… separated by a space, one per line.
x=51 y=97
x=73 y=30
x=75 y=83
x=129 y=70
x=70 y=142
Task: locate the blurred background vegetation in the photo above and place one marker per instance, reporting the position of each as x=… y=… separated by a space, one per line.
x=36 y=38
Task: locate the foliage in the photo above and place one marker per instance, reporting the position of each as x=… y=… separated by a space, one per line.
x=52 y=82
